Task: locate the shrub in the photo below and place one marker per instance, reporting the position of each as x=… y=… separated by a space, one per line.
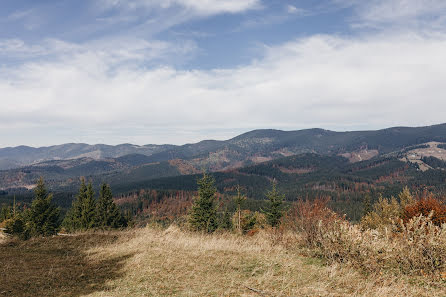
x=419 y=246
x=386 y=212
x=250 y=222
x=16 y=226
x=225 y=221
x=306 y=216
x=425 y=206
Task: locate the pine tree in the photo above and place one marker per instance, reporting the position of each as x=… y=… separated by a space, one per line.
x=108 y=214
x=82 y=215
x=6 y=213
x=43 y=216
x=72 y=220
x=367 y=205
x=88 y=217
x=226 y=220
x=203 y=215
x=274 y=212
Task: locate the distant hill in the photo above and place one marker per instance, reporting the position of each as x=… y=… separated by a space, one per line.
x=13 y=157
x=249 y=148
x=306 y=162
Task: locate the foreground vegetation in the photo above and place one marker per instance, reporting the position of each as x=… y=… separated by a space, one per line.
x=172 y=262
x=398 y=248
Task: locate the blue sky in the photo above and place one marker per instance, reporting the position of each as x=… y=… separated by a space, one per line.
x=178 y=71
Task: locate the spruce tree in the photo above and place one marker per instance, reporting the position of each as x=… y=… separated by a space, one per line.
x=88 y=217
x=274 y=212
x=367 y=204
x=5 y=213
x=72 y=220
x=226 y=220
x=82 y=215
x=42 y=219
x=108 y=214
x=203 y=215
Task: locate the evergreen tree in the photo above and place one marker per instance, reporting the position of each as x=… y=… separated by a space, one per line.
x=5 y=213
x=108 y=214
x=43 y=216
x=88 y=217
x=203 y=215
x=82 y=215
x=226 y=220
x=274 y=212
x=238 y=201
x=367 y=205
x=72 y=220
x=16 y=226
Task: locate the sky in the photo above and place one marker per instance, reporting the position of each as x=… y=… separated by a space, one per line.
x=181 y=71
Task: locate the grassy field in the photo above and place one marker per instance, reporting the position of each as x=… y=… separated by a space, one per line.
x=153 y=262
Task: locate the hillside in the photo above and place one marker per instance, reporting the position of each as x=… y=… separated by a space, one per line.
x=251 y=147
x=13 y=157
x=64 y=163
x=306 y=175
x=306 y=164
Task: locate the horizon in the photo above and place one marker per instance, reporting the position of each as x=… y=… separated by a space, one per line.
x=211 y=139
x=153 y=71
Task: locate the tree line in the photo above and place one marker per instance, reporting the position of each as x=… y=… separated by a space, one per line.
x=87 y=212
x=43 y=218
x=204 y=217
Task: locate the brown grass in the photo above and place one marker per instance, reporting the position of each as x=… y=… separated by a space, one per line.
x=2 y=237
x=58 y=266
x=154 y=262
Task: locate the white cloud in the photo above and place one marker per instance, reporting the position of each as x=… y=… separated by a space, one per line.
x=294 y=10
x=429 y=13
x=19 y=49
x=321 y=81
x=113 y=51
x=200 y=7
x=19 y=15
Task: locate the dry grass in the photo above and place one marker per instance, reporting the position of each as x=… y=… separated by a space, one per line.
x=2 y=237
x=57 y=266
x=153 y=262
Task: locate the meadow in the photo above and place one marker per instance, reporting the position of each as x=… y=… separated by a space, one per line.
x=152 y=261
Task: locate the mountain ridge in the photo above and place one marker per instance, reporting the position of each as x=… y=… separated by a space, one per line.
x=248 y=148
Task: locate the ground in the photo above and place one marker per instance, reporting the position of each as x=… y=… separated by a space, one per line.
x=155 y=262
x=415 y=156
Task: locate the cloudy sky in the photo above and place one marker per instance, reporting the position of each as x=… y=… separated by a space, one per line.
x=178 y=71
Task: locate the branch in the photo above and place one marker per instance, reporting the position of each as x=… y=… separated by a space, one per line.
x=261 y=293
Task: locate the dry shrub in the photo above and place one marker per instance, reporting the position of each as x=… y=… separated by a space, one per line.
x=383 y=241
x=250 y=222
x=425 y=206
x=385 y=213
x=307 y=216
x=388 y=211
x=419 y=247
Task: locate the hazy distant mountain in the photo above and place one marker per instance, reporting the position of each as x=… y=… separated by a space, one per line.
x=254 y=146
x=13 y=157
x=63 y=164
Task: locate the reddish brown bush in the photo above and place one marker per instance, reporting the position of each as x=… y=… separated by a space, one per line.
x=424 y=206
x=307 y=216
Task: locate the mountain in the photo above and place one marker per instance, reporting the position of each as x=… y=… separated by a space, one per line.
x=126 y=165
x=14 y=157
x=251 y=147
x=311 y=175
